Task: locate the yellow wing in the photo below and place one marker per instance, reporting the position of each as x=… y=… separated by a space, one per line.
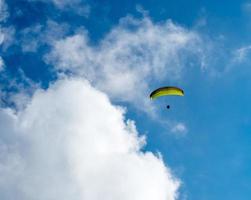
x=164 y=91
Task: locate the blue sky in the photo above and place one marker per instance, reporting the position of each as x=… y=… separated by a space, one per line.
x=124 y=50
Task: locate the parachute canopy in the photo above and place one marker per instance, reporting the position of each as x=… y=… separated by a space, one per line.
x=164 y=91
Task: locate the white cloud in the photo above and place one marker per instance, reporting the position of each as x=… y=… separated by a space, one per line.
x=2 y=40
x=16 y=93
x=70 y=142
x=34 y=37
x=7 y=37
x=179 y=129
x=241 y=54
x=1 y=64
x=79 y=6
x=132 y=55
x=3 y=11
x=6 y=33
x=3 y=16
x=63 y=3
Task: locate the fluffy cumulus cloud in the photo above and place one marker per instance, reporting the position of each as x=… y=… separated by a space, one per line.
x=70 y=142
x=132 y=55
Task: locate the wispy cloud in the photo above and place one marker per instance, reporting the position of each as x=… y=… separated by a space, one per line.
x=7 y=37
x=1 y=64
x=70 y=142
x=179 y=129
x=133 y=54
x=80 y=7
x=16 y=91
x=241 y=53
x=4 y=14
x=32 y=38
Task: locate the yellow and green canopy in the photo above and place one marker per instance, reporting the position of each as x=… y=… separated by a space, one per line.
x=164 y=91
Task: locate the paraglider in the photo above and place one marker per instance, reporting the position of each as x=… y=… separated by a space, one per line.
x=165 y=91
